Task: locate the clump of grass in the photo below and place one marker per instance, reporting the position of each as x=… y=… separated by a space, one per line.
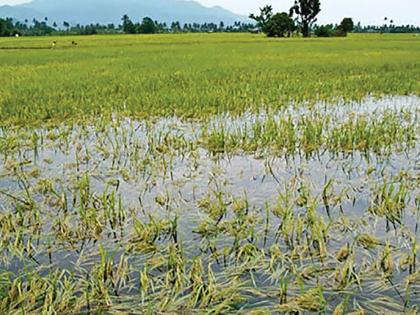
x=390 y=201
x=310 y=301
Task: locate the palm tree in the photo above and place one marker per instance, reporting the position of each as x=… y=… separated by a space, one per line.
x=384 y=26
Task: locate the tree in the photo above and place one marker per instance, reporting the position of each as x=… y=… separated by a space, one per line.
x=4 y=28
x=346 y=26
x=385 y=26
x=307 y=11
x=279 y=25
x=128 y=26
x=221 y=26
x=147 y=26
x=262 y=20
x=175 y=27
x=325 y=30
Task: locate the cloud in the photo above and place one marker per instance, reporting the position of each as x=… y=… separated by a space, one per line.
x=13 y=2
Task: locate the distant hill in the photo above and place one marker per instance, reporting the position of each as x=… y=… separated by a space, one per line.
x=111 y=11
x=18 y=13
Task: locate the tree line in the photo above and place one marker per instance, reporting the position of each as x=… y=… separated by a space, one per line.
x=386 y=28
x=148 y=26
x=11 y=27
x=301 y=18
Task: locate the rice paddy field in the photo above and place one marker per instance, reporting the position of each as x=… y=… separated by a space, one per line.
x=210 y=174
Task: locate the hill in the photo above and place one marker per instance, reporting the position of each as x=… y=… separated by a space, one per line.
x=111 y=11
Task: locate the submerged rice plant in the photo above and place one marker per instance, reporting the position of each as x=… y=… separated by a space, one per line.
x=213 y=174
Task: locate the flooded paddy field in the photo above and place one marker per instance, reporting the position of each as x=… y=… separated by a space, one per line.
x=310 y=208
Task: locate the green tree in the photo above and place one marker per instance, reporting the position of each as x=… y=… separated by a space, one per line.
x=279 y=25
x=128 y=25
x=221 y=26
x=307 y=11
x=4 y=28
x=176 y=27
x=262 y=20
x=147 y=26
x=325 y=31
x=346 y=26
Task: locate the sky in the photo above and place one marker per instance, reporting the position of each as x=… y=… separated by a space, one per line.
x=366 y=11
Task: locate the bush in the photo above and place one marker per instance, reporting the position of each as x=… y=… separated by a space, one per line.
x=325 y=31
x=279 y=25
x=330 y=30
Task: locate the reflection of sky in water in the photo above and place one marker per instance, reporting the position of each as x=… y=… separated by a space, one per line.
x=192 y=177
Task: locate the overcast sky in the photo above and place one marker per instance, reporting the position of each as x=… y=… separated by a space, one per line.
x=366 y=11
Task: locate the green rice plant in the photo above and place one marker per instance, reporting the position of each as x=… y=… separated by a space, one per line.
x=204 y=75
x=389 y=201
x=146 y=235
x=224 y=182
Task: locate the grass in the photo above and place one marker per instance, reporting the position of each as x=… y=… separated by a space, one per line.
x=209 y=174
x=196 y=75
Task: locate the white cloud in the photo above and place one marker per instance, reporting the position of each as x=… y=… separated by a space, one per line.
x=12 y=2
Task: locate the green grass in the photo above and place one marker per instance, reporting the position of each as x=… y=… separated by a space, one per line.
x=196 y=75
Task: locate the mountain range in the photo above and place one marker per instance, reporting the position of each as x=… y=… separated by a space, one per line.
x=111 y=11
